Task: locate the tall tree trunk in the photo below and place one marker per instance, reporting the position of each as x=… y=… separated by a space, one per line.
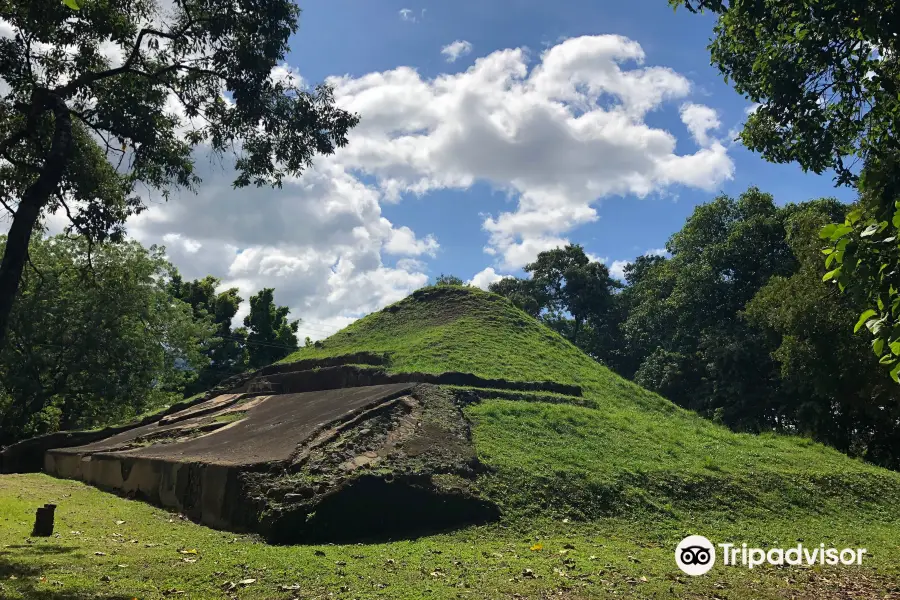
x=33 y=201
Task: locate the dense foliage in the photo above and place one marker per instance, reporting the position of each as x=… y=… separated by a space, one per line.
x=825 y=75
x=94 y=336
x=571 y=294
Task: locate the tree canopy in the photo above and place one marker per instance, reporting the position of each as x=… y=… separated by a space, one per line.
x=825 y=75
x=119 y=93
x=227 y=352
x=95 y=336
x=270 y=334
x=570 y=293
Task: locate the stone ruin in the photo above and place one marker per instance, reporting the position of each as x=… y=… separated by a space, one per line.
x=318 y=450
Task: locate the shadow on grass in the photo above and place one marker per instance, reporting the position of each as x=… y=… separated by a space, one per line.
x=38 y=549
x=22 y=579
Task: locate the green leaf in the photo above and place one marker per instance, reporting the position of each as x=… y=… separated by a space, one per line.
x=887 y=359
x=853 y=216
x=839 y=232
x=878 y=346
x=73 y=4
x=894 y=373
x=828 y=230
x=831 y=274
x=875 y=325
x=863 y=318
x=895 y=348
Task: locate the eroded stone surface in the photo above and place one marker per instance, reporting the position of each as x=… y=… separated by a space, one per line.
x=266 y=462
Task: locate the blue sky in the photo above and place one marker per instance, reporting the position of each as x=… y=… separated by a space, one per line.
x=573 y=121
x=356 y=37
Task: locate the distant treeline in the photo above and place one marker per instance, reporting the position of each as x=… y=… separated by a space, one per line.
x=735 y=323
x=102 y=334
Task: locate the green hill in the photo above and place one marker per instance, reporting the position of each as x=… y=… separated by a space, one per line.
x=624 y=450
x=595 y=493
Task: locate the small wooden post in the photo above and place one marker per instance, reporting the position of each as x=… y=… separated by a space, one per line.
x=43 y=521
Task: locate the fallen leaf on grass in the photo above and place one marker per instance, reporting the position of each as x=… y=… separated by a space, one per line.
x=191 y=551
x=289 y=588
x=246 y=581
x=537 y=547
x=120 y=522
x=189 y=560
x=99 y=553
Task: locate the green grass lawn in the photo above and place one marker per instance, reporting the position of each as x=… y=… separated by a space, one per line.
x=607 y=488
x=109 y=547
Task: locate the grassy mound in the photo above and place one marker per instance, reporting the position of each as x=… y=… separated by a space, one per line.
x=597 y=492
x=625 y=449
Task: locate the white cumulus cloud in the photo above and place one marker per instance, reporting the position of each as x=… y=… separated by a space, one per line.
x=456 y=49
x=700 y=120
x=558 y=133
x=617 y=269
x=486 y=277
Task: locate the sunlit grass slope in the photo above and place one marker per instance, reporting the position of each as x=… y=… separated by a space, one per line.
x=627 y=450
x=595 y=497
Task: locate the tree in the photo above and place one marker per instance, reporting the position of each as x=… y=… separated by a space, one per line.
x=826 y=76
x=571 y=294
x=227 y=351
x=94 y=337
x=80 y=130
x=683 y=334
x=270 y=336
x=524 y=293
x=835 y=392
x=448 y=280
x=573 y=285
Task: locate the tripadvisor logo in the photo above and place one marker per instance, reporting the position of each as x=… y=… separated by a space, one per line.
x=695 y=555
